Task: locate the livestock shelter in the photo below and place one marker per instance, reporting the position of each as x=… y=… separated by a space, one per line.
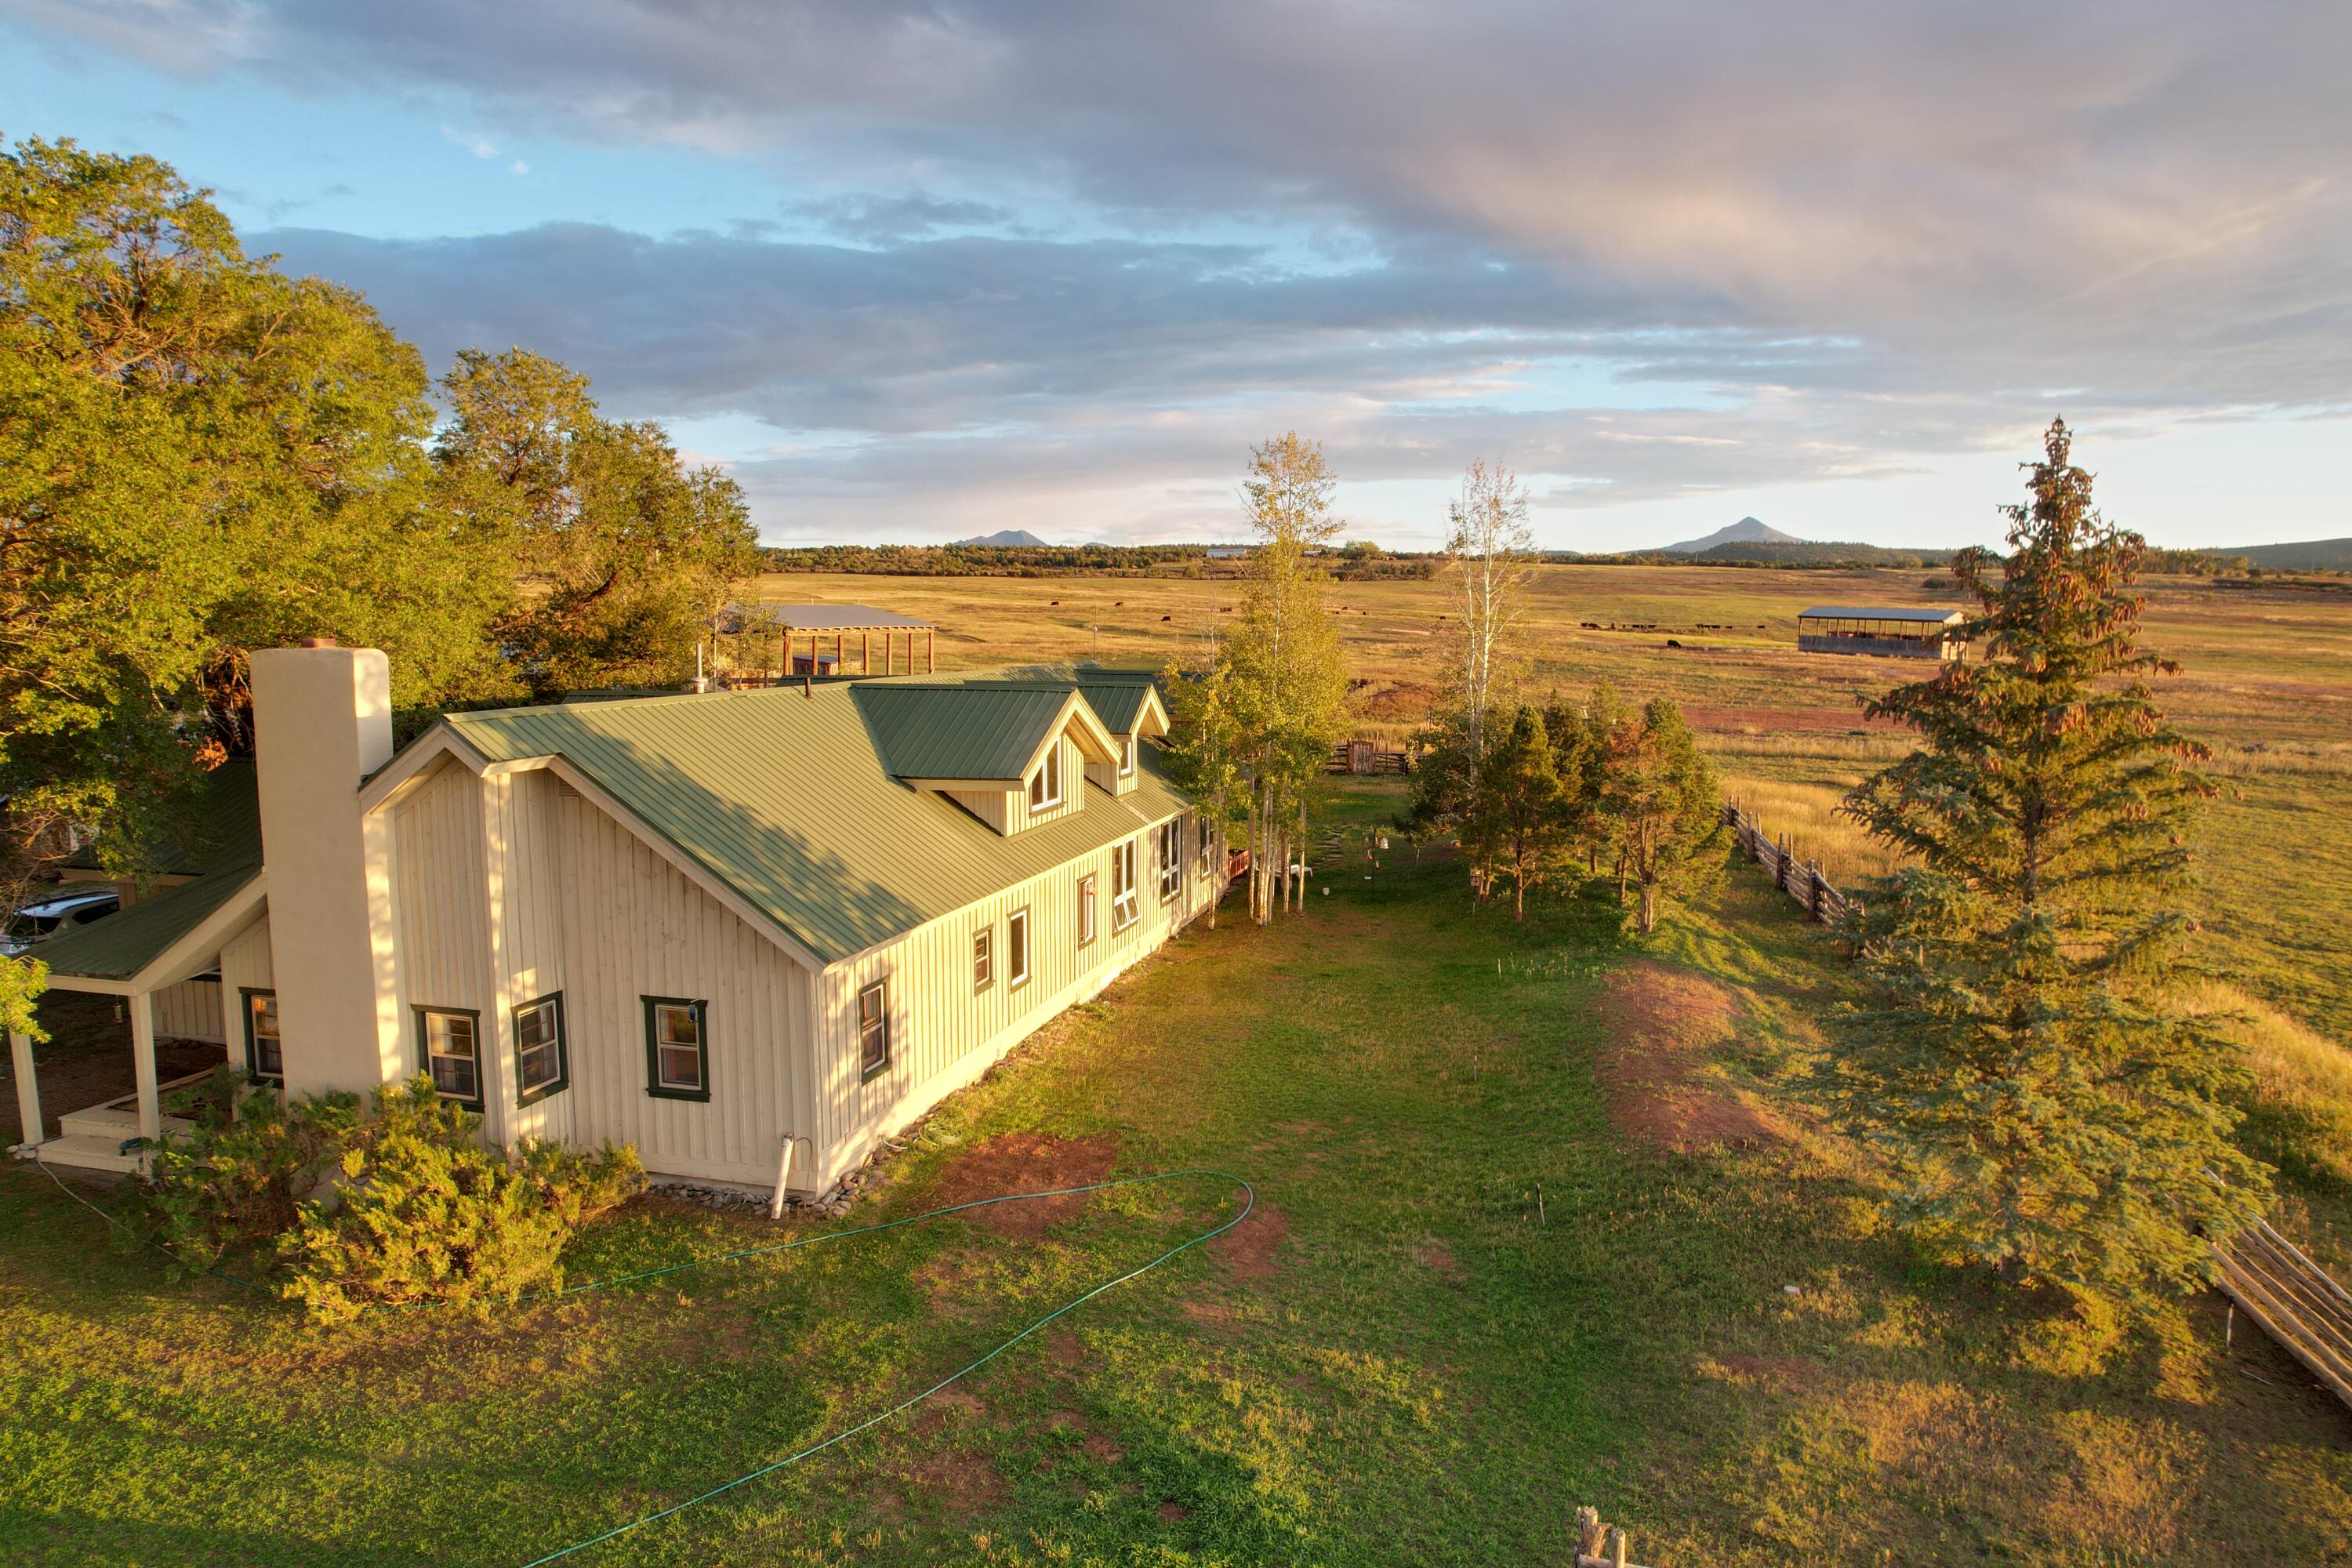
x=758 y=645
x=1890 y=631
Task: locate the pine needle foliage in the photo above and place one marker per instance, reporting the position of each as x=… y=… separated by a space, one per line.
x=2053 y=1109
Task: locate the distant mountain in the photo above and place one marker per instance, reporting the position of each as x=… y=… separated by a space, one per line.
x=1746 y=531
x=1009 y=539
x=2311 y=555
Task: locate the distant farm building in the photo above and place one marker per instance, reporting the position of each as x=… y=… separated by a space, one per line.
x=1891 y=631
x=757 y=644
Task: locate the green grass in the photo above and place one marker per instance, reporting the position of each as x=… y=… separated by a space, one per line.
x=1427 y=1372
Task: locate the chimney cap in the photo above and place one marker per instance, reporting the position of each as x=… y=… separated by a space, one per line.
x=316 y=642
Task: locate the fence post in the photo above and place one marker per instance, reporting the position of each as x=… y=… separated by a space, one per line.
x=1588 y=1531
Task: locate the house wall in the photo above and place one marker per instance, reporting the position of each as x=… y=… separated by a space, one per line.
x=944 y=1034
x=245 y=963
x=189 y=1010
x=1106 y=775
x=440 y=919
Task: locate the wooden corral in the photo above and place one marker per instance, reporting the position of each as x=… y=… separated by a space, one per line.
x=2293 y=1300
x=1802 y=882
x=1367 y=757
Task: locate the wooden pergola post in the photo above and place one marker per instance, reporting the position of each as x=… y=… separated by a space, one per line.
x=28 y=1088
x=930 y=660
x=142 y=1065
x=866 y=653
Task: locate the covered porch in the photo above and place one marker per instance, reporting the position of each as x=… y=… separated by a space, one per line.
x=156 y=946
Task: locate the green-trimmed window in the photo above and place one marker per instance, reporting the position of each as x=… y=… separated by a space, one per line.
x=450 y=1041
x=264 y=1054
x=677 y=1048
x=874 y=1029
x=542 y=1058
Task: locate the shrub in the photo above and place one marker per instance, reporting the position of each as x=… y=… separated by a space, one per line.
x=237 y=1177
x=396 y=1206
x=423 y=1212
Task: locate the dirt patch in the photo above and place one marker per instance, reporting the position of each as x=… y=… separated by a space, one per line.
x=1435 y=1255
x=1787 y=1375
x=1662 y=1023
x=1024 y=1163
x=1247 y=1252
x=961 y=1482
x=1173 y=1513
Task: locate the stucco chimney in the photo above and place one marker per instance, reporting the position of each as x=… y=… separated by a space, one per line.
x=321 y=722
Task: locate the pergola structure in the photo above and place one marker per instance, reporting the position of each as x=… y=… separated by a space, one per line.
x=1899 y=631
x=754 y=644
x=155 y=946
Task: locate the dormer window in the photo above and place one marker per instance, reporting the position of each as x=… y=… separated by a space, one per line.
x=1126 y=756
x=1045 y=784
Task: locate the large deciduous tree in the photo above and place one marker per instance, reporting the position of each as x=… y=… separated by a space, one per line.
x=618 y=553
x=2053 y=1110
x=1663 y=809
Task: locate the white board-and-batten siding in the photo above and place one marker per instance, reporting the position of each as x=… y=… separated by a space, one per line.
x=190 y=1010
x=512 y=887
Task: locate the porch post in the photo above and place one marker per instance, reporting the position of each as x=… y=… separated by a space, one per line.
x=143 y=1064
x=28 y=1088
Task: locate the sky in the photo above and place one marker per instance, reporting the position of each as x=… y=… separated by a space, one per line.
x=917 y=271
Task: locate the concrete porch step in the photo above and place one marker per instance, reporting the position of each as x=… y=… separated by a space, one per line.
x=109 y=1122
x=82 y=1152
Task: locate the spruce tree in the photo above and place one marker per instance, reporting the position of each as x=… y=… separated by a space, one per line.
x=2052 y=1109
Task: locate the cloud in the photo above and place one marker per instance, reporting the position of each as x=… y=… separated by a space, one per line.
x=1643 y=250
x=473 y=142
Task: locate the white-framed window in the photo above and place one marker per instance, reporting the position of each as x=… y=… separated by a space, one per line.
x=1016 y=949
x=1122 y=886
x=677 y=1048
x=1170 y=858
x=1045 y=784
x=451 y=1044
x=874 y=1029
x=983 y=958
x=1085 y=909
x=540 y=1065
x=1207 y=845
x=1127 y=756
x=265 y=1056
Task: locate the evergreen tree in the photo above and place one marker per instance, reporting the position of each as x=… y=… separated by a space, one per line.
x=2053 y=1109
x=1664 y=810
x=1519 y=823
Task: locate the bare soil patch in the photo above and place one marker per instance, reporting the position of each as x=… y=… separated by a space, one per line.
x=962 y=1483
x=1247 y=1252
x=1663 y=1021
x=1024 y=1163
x=1435 y=1255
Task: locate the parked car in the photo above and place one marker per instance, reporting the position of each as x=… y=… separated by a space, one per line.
x=36 y=922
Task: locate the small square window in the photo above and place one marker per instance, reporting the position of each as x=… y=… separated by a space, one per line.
x=677 y=1048
x=873 y=1029
x=541 y=1068
x=265 y=1054
x=983 y=958
x=453 y=1053
x=1085 y=909
x=1016 y=949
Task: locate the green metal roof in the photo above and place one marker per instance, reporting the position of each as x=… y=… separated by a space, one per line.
x=122 y=945
x=1116 y=692
x=796 y=802
x=967 y=731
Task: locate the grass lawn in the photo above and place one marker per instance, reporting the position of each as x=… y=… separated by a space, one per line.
x=1530 y=1208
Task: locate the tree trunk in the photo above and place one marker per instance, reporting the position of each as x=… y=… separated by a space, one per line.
x=1621 y=878
x=1649 y=917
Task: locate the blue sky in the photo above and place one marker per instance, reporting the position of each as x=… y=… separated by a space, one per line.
x=914 y=271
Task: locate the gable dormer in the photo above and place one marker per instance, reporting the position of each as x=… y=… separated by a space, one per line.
x=1015 y=756
x=1131 y=710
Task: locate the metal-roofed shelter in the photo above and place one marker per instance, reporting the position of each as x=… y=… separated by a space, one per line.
x=753 y=645
x=156 y=944
x=1896 y=631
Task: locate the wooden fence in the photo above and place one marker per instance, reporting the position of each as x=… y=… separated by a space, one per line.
x=2291 y=1299
x=1363 y=757
x=1600 y=1545
x=1803 y=880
